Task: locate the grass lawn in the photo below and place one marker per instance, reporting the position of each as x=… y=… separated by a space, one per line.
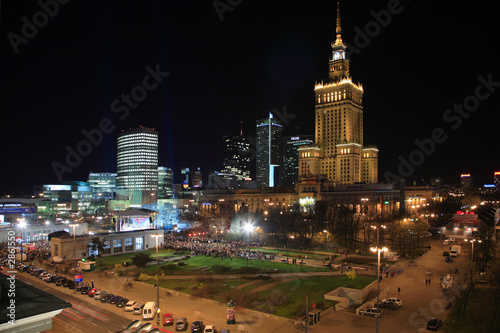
x=287 y=299
x=110 y=261
x=284 y=299
x=293 y=253
x=235 y=266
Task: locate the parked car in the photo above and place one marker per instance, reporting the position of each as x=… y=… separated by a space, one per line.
x=392 y=300
x=446 y=254
x=70 y=284
x=209 y=329
x=130 y=306
x=115 y=299
x=446 y=242
x=92 y=292
x=197 y=327
x=59 y=282
x=85 y=290
x=121 y=302
x=434 y=324
x=448 y=259
x=373 y=312
x=181 y=324
x=138 y=309
x=109 y=298
x=100 y=294
x=167 y=319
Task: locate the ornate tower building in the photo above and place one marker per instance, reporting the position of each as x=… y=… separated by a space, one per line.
x=338 y=153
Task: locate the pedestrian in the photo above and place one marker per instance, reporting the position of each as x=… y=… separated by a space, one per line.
x=399 y=290
x=386 y=274
x=426 y=281
x=429 y=281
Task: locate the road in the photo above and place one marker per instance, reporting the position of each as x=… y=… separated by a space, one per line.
x=86 y=314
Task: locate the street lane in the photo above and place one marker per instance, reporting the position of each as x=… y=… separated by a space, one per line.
x=86 y=314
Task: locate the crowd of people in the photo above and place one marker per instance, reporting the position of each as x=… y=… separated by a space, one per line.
x=215 y=248
x=40 y=250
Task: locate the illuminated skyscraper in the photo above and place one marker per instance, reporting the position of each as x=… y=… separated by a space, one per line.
x=338 y=152
x=236 y=156
x=165 y=183
x=269 y=152
x=137 y=165
x=291 y=145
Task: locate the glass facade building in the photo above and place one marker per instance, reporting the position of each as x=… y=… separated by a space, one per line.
x=137 y=165
x=269 y=152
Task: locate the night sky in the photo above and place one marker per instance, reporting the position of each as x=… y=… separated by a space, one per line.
x=215 y=70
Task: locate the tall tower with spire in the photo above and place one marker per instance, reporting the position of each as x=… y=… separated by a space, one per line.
x=338 y=153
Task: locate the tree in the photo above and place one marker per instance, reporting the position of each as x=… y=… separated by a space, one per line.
x=141 y=259
x=96 y=244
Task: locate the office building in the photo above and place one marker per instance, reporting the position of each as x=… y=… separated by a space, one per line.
x=196 y=178
x=102 y=184
x=137 y=165
x=269 y=152
x=339 y=153
x=185 y=178
x=465 y=181
x=165 y=183
x=291 y=157
x=236 y=156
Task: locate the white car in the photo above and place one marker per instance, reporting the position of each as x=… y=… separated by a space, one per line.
x=130 y=306
x=209 y=329
x=392 y=300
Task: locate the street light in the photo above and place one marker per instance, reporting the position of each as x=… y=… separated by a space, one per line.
x=291 y=237
x=378 y=250
x=22 y=224
x=472 y=241
x=248 y=227
x=74 y=250
x=326 y=232
x=156 y=236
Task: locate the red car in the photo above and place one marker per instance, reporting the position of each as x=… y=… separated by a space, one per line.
x=167 y=319
x=92 y=292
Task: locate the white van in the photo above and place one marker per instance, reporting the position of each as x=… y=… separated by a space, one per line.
x=149 y=310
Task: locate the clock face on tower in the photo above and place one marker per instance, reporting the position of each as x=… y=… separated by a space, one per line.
x=336 y=55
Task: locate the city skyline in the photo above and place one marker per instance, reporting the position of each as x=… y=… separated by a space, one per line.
x=192 y=68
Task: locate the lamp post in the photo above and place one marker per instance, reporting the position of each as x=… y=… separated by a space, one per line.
x=378 y=250
x=287 y=245
x=22 y=224
x=156 y=236
x=74 y=251
x=472 y=241
x=326 y=232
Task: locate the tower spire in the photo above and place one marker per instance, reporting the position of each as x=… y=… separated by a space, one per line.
x=338 y=30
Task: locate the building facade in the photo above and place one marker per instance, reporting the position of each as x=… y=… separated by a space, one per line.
x=137 y=165
x=165 y=183
x=339 y=152
x=236 y=156
x=269 y=152
x=291 y=144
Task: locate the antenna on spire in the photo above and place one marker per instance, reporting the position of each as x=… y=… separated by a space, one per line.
x=241 y=128
x=338 y=30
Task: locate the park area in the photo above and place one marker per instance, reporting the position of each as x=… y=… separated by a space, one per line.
x=262 y=285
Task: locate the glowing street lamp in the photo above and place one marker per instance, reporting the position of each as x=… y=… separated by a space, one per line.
x=156 y=236
x=378 y=250
x=22 y=224
x=248 y=227
x=74 y=248
x=291 y=237
x=472 y=241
